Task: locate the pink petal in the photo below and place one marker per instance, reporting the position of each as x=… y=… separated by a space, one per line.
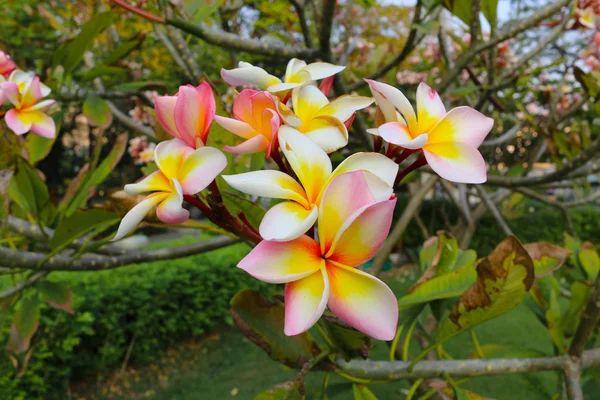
x=165 y=113
x=170 y=211
x=456 y=162
x=287 y=221
x=375 y=163
x=305 y=302
x=430 y=108
x=242 y=106
x=137 y=214
x=11 y=91
x=239 y=128
x=17 y=122
x=31 y=93
x=42 y=124
x=344 y=195
x=200 y=168
x=362 y=301
x=462 y=124
x=397 y=133
x=194 y=112
x=362 y=234
x=282 y=262
x=254 y=145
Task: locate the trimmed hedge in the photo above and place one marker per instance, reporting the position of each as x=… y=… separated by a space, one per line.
x=157 y=303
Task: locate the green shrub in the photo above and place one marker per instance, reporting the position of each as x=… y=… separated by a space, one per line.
x=158 y=304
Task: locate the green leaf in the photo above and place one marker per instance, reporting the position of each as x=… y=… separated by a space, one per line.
x=507 y=351
x=448 y=285
x=284 y=391
x=71 y=54
x=236 y=205
x=200 y=11
x=503 y=280
x=123 y=49
x=24 y=326
x=554 y=321
x=572 y=244
x=361 y=392
x=546 y=257
x=261 y=321
x=489 y=8
x=101 y=71
x=349 y=341
x=90 y=179
x=589 y=82
x=97 y=110
x=38 y=147
x=589 y=260
x=27 y=189
x=80 y=223
x=140 y=85
x=580 y=294
x=57 y=295
x=462 y=9
x=427 y=27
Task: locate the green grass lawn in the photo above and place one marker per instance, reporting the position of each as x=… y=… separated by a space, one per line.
x=228 y=366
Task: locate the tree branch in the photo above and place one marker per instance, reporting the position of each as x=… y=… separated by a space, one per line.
x=553 y=203
x=412 y=41
x=325 y=27
x=235 y=42
x=95 y=262
x=506 y=33
x=10 y=292
x=173 y=52
x=491 y=206
x=130 y=122
x=398 y=370
x=505 y=137
x=308 y=40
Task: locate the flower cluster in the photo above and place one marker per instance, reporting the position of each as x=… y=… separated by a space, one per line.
x=141 y=150
x=23 y=91
x=330 y=220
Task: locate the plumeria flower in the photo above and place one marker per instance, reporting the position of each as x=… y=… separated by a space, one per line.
x=587 y=17
x=257 y=121
x=24 y=90
x=293 y=217
x=353 y=225
x=449 y=140
x=6 y=64
x=181 y=171
x=189 y=114
x=320 y=120
x=297 y=74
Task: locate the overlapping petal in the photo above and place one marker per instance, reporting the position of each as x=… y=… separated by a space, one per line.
x=397 y=133
x=309 y=162
x=362 y=234
x=170 y=210
x=268 y=183
x=305 y=302
x=345 y=195
x=362 y=301
x=200 y=168
x=282 y=262
x=155 y=182
x=194 y=111
x=137 y=214
x=287 y=221
x=189 y=114
x=6 y=64
x=169 y=156
x=386 y=95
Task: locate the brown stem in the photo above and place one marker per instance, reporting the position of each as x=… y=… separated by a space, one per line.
x=141 y=13
x=417 y=164
x=404 y=155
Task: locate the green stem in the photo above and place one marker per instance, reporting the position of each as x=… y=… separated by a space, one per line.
x=407 y=340
x=476 y=344
x=413 y=389
x=395 y=343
